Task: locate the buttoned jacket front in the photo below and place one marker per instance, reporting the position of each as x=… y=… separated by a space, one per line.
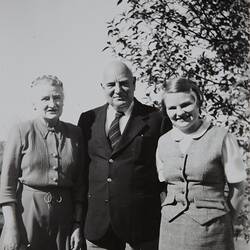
x=123 y=183
x=195 y=180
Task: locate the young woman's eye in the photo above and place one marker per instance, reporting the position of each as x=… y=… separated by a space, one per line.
x=171 y=108
x=186 y=104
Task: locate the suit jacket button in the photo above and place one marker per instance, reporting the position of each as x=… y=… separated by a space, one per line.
x=106 y=201
x=111 y=161
x=109 y=180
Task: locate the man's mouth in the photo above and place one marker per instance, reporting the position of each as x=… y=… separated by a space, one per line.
x=117 y=97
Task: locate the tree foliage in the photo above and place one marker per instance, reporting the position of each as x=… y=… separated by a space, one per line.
x=203 y=40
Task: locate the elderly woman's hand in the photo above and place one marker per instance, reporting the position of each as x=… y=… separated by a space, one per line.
x=11 y=239
x=11 y=235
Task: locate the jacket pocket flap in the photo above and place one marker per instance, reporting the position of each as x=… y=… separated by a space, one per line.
x=169 y=199
x=210 y=203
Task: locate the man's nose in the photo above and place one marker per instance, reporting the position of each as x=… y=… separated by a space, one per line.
x=117 y=87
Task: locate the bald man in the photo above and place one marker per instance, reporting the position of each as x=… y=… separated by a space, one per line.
x=120 y=141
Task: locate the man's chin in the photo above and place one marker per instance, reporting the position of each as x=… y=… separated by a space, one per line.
x=119 y=105
x=52 y=118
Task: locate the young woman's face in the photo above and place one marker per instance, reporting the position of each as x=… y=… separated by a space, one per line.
x=183 y=110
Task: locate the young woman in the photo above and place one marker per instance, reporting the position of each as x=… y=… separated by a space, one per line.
x=196 y=159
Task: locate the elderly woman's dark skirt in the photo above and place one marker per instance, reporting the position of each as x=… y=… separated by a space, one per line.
x=46 y=221
x=186 y=234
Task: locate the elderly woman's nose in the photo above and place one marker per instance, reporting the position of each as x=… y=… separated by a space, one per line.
x=52 y=102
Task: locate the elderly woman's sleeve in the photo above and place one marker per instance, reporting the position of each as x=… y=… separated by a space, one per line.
x=11 y=166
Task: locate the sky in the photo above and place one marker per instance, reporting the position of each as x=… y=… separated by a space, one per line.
x=59 y=37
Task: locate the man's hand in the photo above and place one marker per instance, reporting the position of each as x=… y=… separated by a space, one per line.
x=76 y=238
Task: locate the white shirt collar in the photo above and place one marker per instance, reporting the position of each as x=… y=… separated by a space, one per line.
x=178 y=135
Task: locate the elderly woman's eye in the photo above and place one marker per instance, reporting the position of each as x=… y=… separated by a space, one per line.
x=45 y=98
x=57 y=97
x=124 y=83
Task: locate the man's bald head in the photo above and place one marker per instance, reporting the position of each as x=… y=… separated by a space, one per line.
x=115 y=69
x=118 y=85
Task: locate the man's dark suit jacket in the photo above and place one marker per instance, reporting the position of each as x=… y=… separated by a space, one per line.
x=123 y=184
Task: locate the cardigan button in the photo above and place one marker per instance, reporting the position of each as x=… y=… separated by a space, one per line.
x=109 y=180
x=183 y=203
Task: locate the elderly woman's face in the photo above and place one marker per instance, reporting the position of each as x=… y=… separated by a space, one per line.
x=183 y=110
x=48 y=101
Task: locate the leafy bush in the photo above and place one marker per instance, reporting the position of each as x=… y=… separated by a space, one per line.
x=199 y=39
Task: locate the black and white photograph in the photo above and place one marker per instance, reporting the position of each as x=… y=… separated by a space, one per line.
x=125 y=125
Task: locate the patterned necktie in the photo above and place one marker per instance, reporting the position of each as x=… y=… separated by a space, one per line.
x=114 y=133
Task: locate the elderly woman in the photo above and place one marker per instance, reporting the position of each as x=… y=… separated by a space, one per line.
x=42 y=191
x=196 y=159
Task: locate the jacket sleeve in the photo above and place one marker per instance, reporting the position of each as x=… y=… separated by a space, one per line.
x=80 y=186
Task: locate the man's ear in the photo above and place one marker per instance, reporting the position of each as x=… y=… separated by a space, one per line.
x=101 y=85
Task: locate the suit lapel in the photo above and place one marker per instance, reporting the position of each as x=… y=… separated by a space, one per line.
x=135 y=125
x=99 y=129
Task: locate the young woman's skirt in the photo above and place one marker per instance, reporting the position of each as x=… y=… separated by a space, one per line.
x=186 y=234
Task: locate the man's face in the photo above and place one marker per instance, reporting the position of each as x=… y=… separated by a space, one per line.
x=119 y=86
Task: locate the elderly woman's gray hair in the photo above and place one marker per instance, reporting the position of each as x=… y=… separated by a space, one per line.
x=54 y=80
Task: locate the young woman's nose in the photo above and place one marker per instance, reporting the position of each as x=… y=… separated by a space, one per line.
x=179 y=111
